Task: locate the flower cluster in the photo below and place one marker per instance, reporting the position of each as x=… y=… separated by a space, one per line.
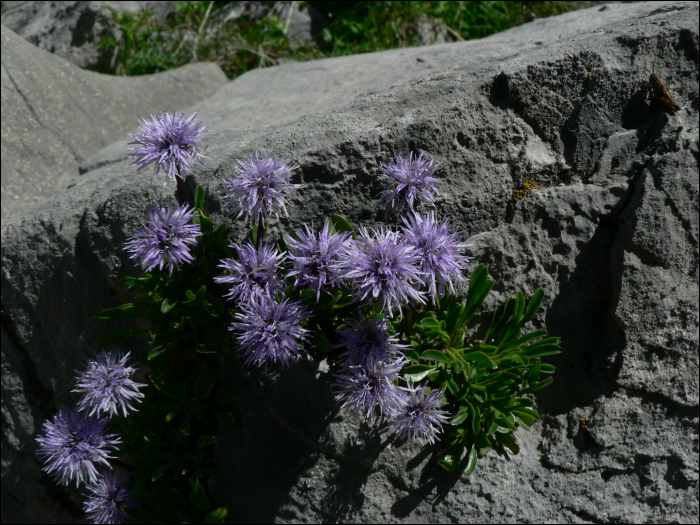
x=169 y=142
x=316 y=257
x=107 y=385
x=259 y=191
x=72 y=444
x=420 y=418
x=107 y=495
x=270 y=331
x=281 y=299
x=438 y=252
x=166 y=237
x=407 y=181
x=254 y=274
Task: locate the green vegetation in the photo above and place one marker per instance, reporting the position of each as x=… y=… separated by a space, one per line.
x=258 y=37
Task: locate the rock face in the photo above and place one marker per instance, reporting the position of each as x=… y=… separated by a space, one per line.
x=73 y=29
x=55 y=115
x=563 y=175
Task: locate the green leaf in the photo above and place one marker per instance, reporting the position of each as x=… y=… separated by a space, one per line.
x=171 y=416
x=449 y=459
x=224 y=396
x=226 y=418
x=453 y=387
x=156 y=352
x=416 y=373
x=216 y=515
x=205 y=441
x=320 y=341
x=118 y=334
x=412 y=355
x=541 y=350
x=203 y=386
x=547 y=369
x=525 y=339
x=185 y=427
x=435 y=355
x=508 y=441
x=476 y=421
x=125 y=311
x=159 y=472
x=213 y=306
x=471 y=461
x=532 y=306
x=198 y=496
x=195 y=299
x=537 y=386
x=206 y=348
x=167 y=306
x=460 y=417
x=199 y=197
x=481 y=358
x=340 y=224
x=430 y=323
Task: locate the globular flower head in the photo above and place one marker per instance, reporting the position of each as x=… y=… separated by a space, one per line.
x=72 y=444
x=165 y=238
x=368 y=343
x=261 y=187
x=366 y=390
x=107 y=385
x=170 y=142
x=270 y=331
x=384 y=268
x=315 y=257
x=407 y=181
x=420 y=419
x=254 y=273
x=439 y=251
x=106 y=497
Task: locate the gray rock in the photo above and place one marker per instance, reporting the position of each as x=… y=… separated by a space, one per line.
x=73 y=29
x=561 y=179
x=55 y=115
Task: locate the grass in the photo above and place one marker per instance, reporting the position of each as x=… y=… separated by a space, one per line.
x=198 y=31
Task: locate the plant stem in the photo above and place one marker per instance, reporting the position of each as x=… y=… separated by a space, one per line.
x=261 y=231
x=180 y=186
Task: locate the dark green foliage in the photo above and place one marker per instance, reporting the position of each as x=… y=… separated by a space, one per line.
x=168 y=442
x=484 y=381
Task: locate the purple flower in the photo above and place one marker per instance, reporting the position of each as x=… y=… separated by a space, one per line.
x=261 y=187
x=254 y=273
x=366 y=389
x=315 y=258
x=408 y=180
x=383 y=268
x=107 y=385
x=368 y=342
x=72 y=444
x=420 y=419
x=170 y=142
x=108 y=493
x=270 y=331
x=439 y=251
x=166 y=233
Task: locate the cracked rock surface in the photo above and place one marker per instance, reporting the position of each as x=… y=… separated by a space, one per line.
x=564 y=176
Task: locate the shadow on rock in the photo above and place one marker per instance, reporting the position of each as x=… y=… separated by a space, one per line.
x=582 y=316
